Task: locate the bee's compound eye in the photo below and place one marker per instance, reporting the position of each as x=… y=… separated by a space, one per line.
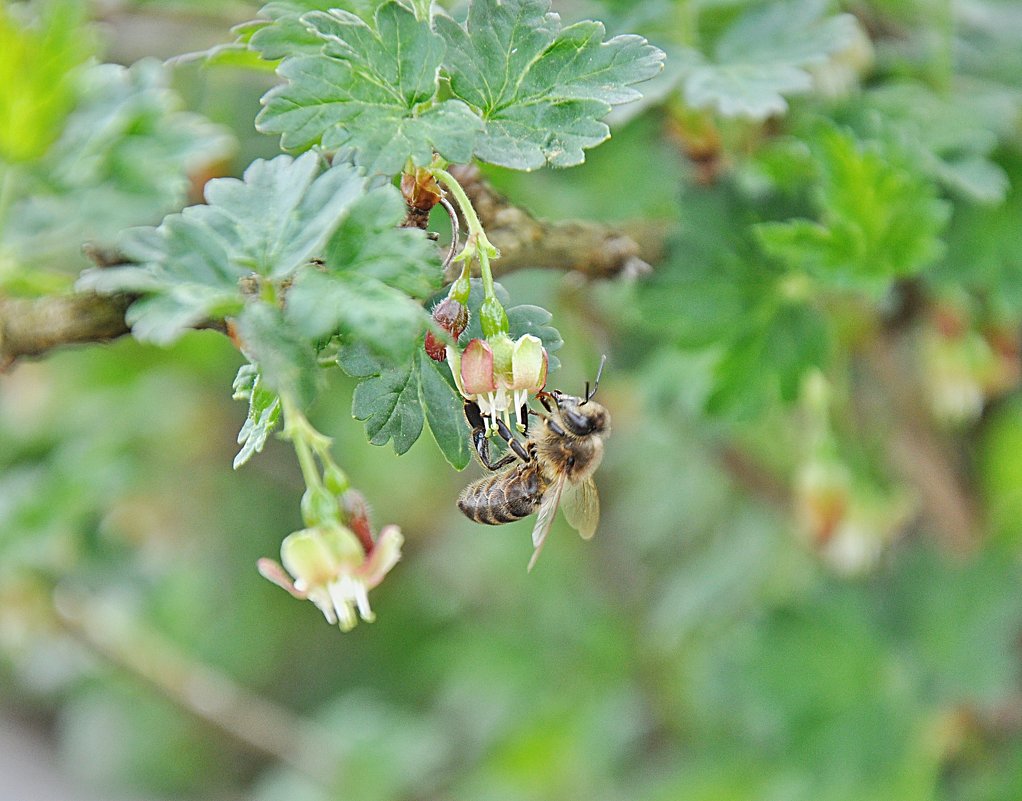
x=579 y=423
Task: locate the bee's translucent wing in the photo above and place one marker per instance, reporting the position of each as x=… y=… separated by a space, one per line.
x=581 y=505
x=545 y=518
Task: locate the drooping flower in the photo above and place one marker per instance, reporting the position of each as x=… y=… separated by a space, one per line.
x=329 y=566
x=528 y=368
x=498 y=374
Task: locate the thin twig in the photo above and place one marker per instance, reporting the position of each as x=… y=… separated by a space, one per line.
x=927 y=461
x=593 y=249
x=202 y=691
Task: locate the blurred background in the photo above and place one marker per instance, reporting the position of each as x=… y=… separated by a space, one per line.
x=806 y=583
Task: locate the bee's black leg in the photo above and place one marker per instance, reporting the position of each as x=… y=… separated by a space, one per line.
x=479 y=440
x=512 y=443
x=482 y=446
x=524 y=414
x=552 y=424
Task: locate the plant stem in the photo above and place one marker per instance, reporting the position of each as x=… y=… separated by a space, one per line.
x=256 y=722
x=305 y=440
x=476 y=244
x=485 y=272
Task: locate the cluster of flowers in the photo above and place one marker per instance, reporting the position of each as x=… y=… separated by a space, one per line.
x=335 y=565
x=496 y=372
x=336 y=560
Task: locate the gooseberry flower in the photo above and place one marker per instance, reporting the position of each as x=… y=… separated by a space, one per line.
x=331 y=568
x=498 y=374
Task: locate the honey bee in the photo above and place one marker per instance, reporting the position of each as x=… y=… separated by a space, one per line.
x=554 y=468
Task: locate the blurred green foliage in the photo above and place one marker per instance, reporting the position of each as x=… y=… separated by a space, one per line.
x=767 y=611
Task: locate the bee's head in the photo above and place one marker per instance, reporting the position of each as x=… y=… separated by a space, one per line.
x=582 y=416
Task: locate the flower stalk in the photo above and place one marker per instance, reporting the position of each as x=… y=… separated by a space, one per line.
x=477 y=246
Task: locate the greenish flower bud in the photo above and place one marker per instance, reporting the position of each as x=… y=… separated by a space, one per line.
x=336 y=480
x=492 y=318
x=318 y=507
x=460 y=289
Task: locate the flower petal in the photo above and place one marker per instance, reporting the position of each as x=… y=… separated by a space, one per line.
x=384 y=555
x=528 y=364
x=308 y=558
x=477 y=368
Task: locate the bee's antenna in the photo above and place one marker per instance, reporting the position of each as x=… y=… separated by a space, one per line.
x=596 y=384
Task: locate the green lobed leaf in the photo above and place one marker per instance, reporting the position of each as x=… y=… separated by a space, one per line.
x=766 y=55
x=287 y=363
x=443 y=407
x=281 y=33
x=387 y=399
x=370 y=237
x=394 y=400
x=540 y=90
x=278 y=32
x=271 y=223
x=186 y=270
x=161 y=319
x=361 y=309
x=281 y=213
x=877 y=218
x=950 y=136
x=372 y=273
x=263 y=412
x=123 y=158
x=363 y=92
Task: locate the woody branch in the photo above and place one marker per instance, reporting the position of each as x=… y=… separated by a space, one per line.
x=31 y=327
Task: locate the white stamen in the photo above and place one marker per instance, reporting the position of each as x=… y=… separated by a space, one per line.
x=341 y=597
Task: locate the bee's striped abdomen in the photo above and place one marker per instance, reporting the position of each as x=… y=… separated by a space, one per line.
x=503 y=498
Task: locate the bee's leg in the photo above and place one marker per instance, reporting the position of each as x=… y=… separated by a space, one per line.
x=544 y=398
x=479 y=440
x=482 y=446
x=512 y=443
x=552 y=424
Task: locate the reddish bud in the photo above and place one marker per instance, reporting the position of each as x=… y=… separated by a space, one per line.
x=451 y=316
x=436 y=349
x=420 y=189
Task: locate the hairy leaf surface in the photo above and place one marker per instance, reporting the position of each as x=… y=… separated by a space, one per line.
x=368 y=89
x=270 y=223
x=540 y=89
x=767 y=55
